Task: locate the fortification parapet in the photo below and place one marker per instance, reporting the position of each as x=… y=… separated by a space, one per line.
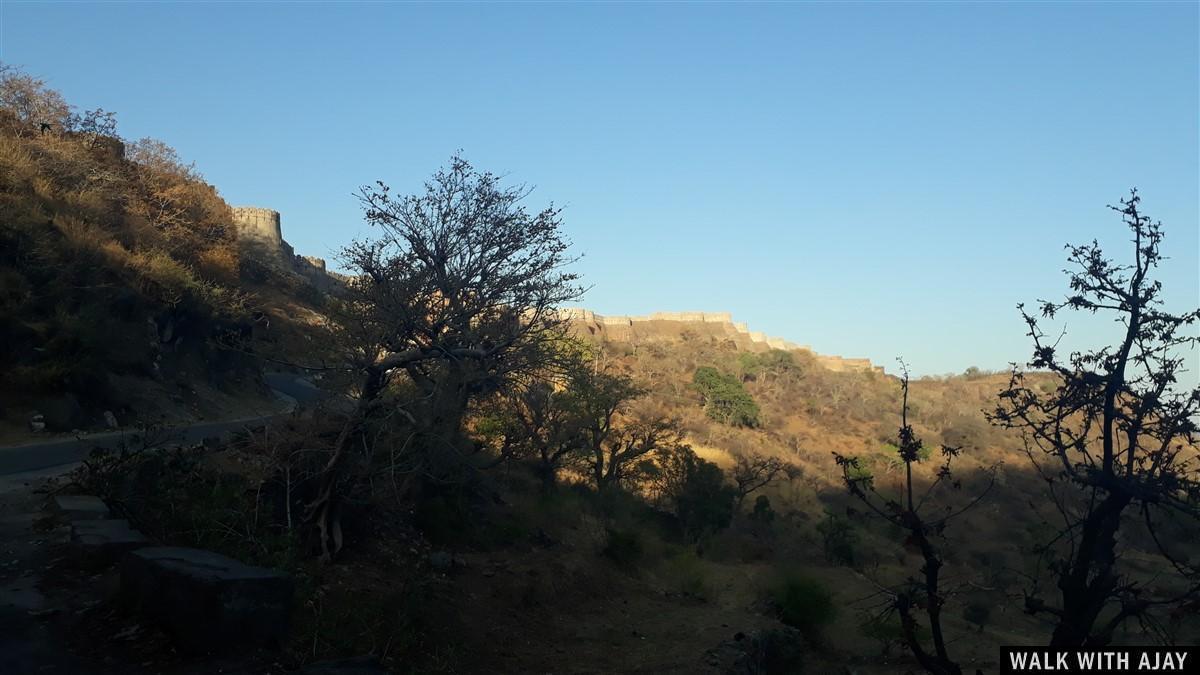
x=260 y=234
x=715 y=325
x=256 y=223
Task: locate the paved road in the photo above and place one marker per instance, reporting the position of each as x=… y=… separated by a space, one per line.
x=59 y=452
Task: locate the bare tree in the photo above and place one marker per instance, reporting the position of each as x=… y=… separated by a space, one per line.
x=616 y=458
x=1114 y=439
x=456 y=297
x=95 y=125
x=32 y=102
x=754 y=471
x=906 y=512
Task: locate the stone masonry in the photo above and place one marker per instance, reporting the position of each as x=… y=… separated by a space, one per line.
x=720 y=324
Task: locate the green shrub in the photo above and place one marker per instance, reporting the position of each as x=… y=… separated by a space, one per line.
x=839 y=539
x=805 y=604
x=704 y=503
x=623 y=547
x=686 y=571
x=725 y=398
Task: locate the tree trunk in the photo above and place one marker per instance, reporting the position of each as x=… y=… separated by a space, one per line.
x=1086 y=585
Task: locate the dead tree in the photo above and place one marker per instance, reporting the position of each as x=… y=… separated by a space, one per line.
x=923 y=593
x=1114 y=439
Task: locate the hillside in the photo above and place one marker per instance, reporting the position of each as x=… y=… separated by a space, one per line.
x=128 y=286
x=497 y=482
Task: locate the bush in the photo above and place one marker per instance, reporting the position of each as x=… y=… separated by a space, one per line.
x=839 y=539
x=694 y=489
x=762 y=513
x=805 y=604
x=174 y=496
x=623 y=547
x=686 y=571
x=725 y=398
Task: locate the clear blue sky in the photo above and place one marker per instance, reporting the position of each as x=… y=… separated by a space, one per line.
x=872 y=179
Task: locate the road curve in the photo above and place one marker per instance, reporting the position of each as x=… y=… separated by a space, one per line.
x=58 y=452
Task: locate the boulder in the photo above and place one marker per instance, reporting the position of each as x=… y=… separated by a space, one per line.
x=99 y=543
x=80 y=507
x=206 y=601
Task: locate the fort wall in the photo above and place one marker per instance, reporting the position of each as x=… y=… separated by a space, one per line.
x=668 y=326
x=260 y=234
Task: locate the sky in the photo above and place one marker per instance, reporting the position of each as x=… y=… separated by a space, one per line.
x=875 y=180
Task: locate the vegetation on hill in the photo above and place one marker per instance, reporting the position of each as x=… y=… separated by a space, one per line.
x=503 y=495
x=119 y=267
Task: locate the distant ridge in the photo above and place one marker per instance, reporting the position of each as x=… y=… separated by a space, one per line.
x=670 y=325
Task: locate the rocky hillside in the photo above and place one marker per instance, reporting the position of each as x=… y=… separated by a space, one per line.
x=125 y=293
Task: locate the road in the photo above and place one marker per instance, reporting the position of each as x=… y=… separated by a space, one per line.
x=60 y=452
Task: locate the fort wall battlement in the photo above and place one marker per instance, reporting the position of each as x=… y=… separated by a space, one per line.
x=260 y=233
x=670 y=325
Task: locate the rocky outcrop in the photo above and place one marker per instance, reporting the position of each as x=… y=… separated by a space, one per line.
x=668 y=326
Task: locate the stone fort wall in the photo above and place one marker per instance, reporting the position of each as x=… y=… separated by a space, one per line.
x=666 y=326
x=260 y=233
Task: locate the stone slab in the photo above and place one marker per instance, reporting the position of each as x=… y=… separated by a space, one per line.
x=98 y=543
x=206 y=601
x=81 y=507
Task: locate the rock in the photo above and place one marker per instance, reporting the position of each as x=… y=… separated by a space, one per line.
x=62 y=413
x=81 y=507
x=359 y=665
x=99 y=543
x=776 y=650
x=110 y=420
x=206 y=601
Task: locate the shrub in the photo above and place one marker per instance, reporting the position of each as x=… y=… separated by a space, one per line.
x=839 y=538
x=694 y=489
x=805 y=604
x=725 y=398
x=174 y=496
x=624 y=547
x=686 y=570
x=762 y=512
